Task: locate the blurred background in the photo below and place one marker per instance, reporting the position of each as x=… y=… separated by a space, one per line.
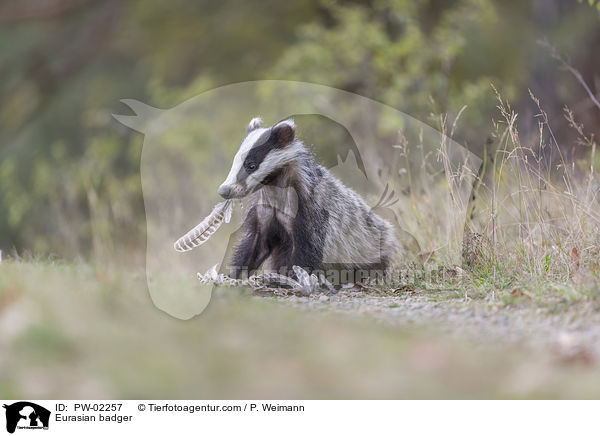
x=71 y=189
x=69 y=173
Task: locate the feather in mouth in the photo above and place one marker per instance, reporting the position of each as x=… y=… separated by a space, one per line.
x=208 y=227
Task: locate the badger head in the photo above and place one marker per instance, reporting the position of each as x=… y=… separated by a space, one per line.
x=262 y=153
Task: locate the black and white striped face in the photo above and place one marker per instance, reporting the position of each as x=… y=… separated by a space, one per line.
x=262 y=152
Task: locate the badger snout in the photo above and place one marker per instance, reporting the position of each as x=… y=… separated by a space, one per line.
x=225 y=191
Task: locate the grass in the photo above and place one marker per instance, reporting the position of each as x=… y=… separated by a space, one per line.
x=533 y=219
x=72 y=331
x=535 y=207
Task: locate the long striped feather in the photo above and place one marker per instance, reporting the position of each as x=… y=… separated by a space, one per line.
x=203 y=231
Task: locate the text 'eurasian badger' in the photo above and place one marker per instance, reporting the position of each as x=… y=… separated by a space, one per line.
x=298 y=213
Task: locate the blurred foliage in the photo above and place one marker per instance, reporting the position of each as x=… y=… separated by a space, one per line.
x=432 y=57
x=69 y=173
x=592 y=3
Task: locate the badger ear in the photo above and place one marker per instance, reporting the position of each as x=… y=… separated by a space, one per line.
x=254 y=123
x=284 y=132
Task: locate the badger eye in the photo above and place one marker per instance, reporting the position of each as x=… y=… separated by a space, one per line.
x=251 y=166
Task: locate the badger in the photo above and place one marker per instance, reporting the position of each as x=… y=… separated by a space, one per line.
x=298 y=214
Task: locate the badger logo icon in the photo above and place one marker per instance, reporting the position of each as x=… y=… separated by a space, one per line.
x=26 y=415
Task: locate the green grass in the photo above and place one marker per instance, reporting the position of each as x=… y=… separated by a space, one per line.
x=73 y=331
x=501 y=285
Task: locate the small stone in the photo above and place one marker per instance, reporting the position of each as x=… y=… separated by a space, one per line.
x=323 y=298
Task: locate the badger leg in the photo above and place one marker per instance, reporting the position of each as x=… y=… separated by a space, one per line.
x=296 y=248
x=248 y=255
x=252 y=250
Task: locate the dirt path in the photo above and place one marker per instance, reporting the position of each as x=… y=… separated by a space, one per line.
x=572 y=334
x=71 y=331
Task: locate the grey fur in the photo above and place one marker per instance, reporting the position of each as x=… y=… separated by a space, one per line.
x=299 y=214
x=254 y=123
